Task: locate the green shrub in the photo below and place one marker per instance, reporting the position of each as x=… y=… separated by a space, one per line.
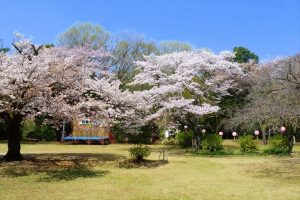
x=170 y=141
x=247 y=144
x=40 y=132
x=118 y=132
x=43 y=133
x=212 y=143
x=47 y=133
x=139 y=152
x=278 y=145
x=28 y=128
x=184 y=139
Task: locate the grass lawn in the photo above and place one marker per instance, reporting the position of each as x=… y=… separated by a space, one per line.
x=61 y=171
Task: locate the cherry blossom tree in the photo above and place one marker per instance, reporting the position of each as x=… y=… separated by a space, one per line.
x=44 y=81
x=111 y=104
x=185 y=83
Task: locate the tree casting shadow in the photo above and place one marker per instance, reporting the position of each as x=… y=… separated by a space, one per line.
x=131 y=163
x=72 y=173
x=58 y=167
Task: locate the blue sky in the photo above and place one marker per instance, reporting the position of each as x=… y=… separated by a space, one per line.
x=270 y=28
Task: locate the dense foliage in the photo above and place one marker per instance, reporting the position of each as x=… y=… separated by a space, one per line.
x=278 y=145
x=170 y=141
x=38 y=131
x=247 y=144
x=244 y=55
x=185 y=138
x=212 y=143
x=139 y=152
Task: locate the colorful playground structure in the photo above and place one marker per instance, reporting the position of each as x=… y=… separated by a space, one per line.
x=90 y=131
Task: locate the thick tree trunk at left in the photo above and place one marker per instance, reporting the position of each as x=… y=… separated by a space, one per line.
x=14 y=138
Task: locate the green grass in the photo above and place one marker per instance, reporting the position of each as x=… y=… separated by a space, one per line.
x=59 y=171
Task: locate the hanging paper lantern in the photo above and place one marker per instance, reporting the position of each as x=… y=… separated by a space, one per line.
x=234 y=134
x=221 y=133
x=282 y=129
x=256 y=132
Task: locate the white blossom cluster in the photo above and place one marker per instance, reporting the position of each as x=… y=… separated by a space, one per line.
x=112 y=104
x=204 y=75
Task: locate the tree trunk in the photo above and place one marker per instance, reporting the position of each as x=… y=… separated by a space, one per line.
x=291 y=143
x=14 y=138
x=264 y=135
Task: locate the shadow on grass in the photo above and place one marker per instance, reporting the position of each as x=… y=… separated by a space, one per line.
x=72 y=173
x=32 y=142
x=172 y=150
x=131 y=163
x=288 y=168
x=58 y=167
x=279 y=168
x=65 y=174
